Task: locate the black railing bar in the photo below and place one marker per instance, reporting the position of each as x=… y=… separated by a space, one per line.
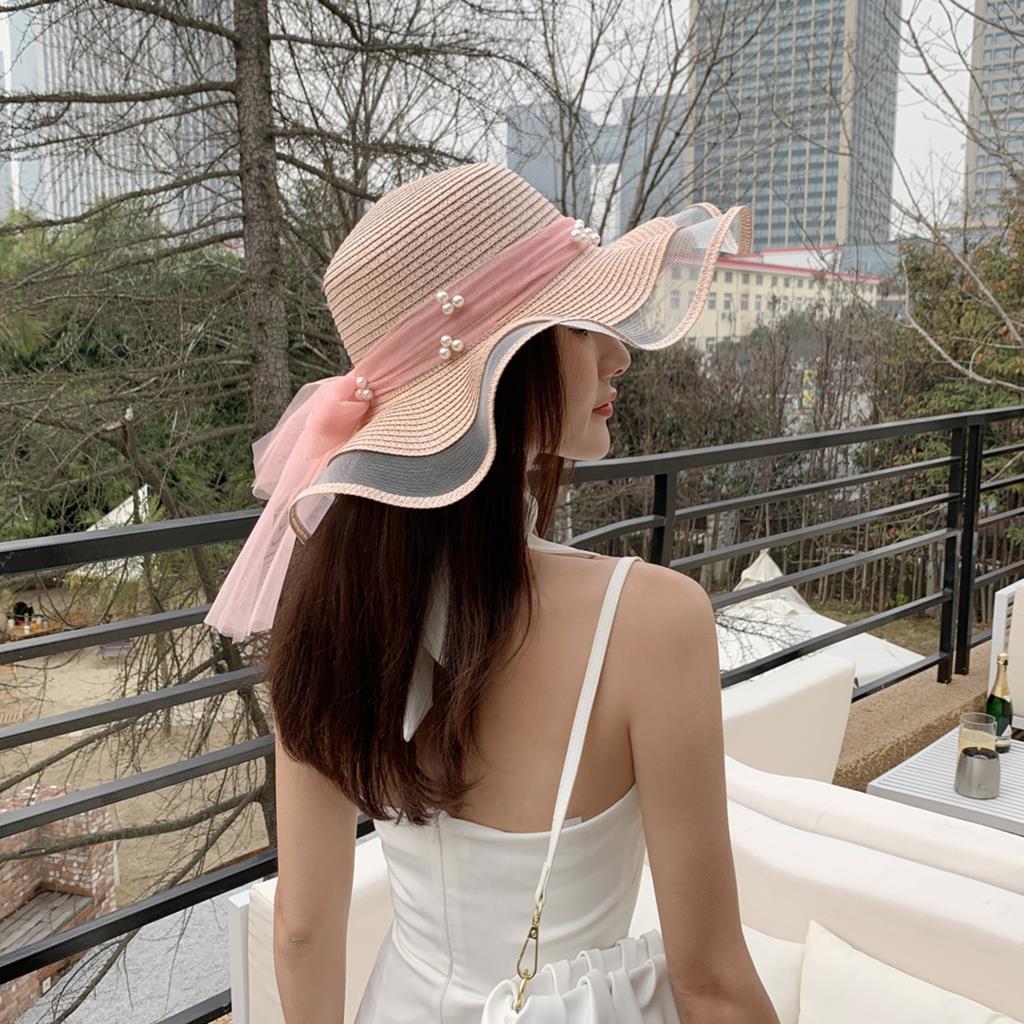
x=39 y=554
x=210 y=1009
x=36 y=554
x=1000 y=482
x=776 y=540
x=693 y=458
x=731 y=597
x=128 y=707
x=833 y=636
x=115 y=791
x=603 y=533
x=53 y=948
x=915 y=668
x=985 y=579
x=982 y=417
x=105 y=633
x=967 y=557
x=982 y=637
x=785 y=493
x=1005 y=449
x=951 y=554
x=998 y=517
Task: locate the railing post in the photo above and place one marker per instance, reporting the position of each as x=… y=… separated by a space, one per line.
x=952 y=547
x=965 y=588
x=665 y=507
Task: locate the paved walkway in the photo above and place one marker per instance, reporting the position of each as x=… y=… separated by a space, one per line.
x=169 y=966
x=887 y=727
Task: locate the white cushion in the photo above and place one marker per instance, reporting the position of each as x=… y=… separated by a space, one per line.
x=779 y=963
x=945 y=928
x=842 y=985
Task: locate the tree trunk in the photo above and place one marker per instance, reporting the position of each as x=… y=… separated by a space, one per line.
x=261 y=215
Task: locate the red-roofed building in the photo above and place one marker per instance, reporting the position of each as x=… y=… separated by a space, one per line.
x=745 y=291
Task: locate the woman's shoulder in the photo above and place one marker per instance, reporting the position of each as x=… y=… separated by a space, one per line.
x=663 y=610
x=655 y=600
x=661 y=581
x=664 y=629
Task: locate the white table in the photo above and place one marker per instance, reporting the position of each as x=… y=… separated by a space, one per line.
x=926 y=780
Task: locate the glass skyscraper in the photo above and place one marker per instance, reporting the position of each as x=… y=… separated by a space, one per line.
x=797 y=115
x=114 y=148
x=995 y=137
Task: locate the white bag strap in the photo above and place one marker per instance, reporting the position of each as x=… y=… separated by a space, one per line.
x=586 y=701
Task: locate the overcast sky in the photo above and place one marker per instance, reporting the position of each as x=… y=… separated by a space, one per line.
x=929 y=148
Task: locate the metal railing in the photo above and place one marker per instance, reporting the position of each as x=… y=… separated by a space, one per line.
x=961 y=498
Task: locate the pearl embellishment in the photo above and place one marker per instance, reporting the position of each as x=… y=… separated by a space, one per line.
x=362 y=391
x=449 y=303
x=582 y=235
x=449 y=345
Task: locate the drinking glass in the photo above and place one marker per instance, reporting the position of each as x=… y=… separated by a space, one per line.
x=976 y=730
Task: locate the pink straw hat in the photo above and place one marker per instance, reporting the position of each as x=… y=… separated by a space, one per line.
x=432 y=293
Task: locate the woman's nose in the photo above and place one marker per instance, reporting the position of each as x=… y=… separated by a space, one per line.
x=620 y=360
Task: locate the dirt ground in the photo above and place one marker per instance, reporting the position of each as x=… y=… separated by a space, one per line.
x=145 y=862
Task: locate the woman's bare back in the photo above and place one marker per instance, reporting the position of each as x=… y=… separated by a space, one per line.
x=527 y=713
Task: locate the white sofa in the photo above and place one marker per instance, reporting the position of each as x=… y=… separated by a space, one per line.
x=254 y=997
x=937 y=898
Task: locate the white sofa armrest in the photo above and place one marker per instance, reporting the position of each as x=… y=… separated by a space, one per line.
x=237 y=904
x=938 y=840
x=792 y=719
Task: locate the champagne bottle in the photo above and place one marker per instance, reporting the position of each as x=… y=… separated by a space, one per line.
x=999 y=705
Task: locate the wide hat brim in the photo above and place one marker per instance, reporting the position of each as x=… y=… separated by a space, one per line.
x=428 y=443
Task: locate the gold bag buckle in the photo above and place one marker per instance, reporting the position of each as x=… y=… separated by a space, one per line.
x=525 y=974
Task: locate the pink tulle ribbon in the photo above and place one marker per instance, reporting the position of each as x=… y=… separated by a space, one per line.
x=323 y=415
x=286 y=459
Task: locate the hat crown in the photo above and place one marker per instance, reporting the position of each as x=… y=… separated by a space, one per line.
x=421 y=237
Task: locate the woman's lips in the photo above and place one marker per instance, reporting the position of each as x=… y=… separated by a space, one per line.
x=604 y=410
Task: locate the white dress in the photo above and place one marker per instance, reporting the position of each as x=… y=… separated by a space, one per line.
x=463 y=894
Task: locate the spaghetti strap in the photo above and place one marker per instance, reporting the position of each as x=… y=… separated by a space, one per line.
x=583 y=708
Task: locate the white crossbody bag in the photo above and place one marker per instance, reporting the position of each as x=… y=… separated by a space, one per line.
x=626 y=983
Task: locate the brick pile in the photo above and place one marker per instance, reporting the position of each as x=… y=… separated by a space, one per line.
x=88 y=871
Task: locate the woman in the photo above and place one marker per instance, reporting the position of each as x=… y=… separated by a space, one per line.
x=429 y=645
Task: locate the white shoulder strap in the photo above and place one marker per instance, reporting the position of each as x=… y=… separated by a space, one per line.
x=586 y=701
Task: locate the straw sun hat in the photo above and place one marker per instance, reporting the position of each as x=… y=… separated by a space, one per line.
x=432 y=292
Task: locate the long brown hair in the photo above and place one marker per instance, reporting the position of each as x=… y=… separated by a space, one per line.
x=348 y=624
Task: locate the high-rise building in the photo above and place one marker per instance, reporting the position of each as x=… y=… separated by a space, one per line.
x=110 y=149
x=614 y=174
x=797 y=115
x=995 y=137
x=552 y=154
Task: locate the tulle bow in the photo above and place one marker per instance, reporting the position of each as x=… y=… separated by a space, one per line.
x=320 y=418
